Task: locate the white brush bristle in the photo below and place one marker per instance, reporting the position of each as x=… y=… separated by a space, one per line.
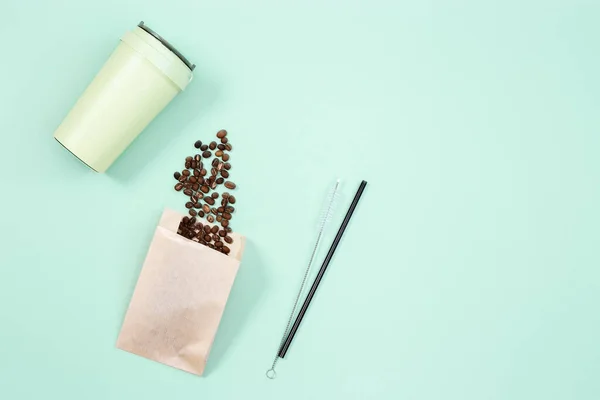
x=329 y=206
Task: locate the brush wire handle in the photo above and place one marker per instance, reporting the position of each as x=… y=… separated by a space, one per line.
x=323 y=221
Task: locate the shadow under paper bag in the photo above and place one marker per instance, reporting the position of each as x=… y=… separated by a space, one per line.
x=179 y=298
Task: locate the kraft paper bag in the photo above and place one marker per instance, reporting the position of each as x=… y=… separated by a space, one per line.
x=179 y=298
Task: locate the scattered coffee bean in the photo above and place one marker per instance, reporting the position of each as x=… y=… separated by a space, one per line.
x=230 y=185
x=214 y=229
x=196 y=186
x=224 y=174
x=182 y=178
x=222 y=233
x=222 y=133
x=179 y=186
x=213 y=171
x=193 y=212
x=225 y=157
x=196 y=172
x=188 y=159
x=207 y=238
x=220 y=166
x=218 y=153
x=210 y=219
x=221 y=209
x=185 y=220
x=198 y=158
x=224 y=140
x=215 y=195
x=188 y=192
x=209 y=200
x=226 y=249
x=192 y=221
x=220 y=181
x=213 y=185
x=225 y=195
x=225 y=223
x=227 y=166
x=219 y=218
x=206 y=228
x=232 y=199
x=229 y=209
x=206 y=208
x=201 y=214
x=221 y=147
x=198 y=144
x=206 y=154
x=213 y=211
x=218 y=244
x=177 y=175
x=190 y=205
x=228 y=229
x=187 y=165
x=215 y=162
x=228 y=239
x=204 y=189
x=185 y=172
x=212 y=145
x=203 y=172
x=193 y=179
x=228 y=147
x=204 y=147
x=226 y=216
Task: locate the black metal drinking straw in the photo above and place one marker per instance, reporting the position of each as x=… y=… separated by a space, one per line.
x=288 y=341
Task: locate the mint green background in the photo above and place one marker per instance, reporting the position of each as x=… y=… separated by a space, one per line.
x=470 y=270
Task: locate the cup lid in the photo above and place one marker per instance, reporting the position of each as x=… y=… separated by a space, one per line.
x=167 y=45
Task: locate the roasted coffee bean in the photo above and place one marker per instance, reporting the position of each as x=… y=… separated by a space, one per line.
x=224 y=223
x=232 y=199
x=198 y=158
x=220 y=181
x=219 y=218
x=185 y=220
x=195 y=186
x=213 y=211
x=222 y=233
x=196 y=172
x=215 y=195
x=214 y=229
x=193 y=212
x=228 y=229
x=177 y=175
x=192 y=221
x=203 y=172
x=206 y=228
x=198 y=144
x=210 y=219
x=224 y=202
x=188 y=159
x=224 y=173
x=187 y=164
x=225 y=195
x=228 y=239
x=198 y=206
x=229 y=209
x=230 y=185
x=216 y=237
x=201 y=180
x=215 y=162
x=185 y=172
x=199 y=226
x=201 y=214
x=207 y=238
x=193 y=165
x=220 y=166
x=211 y=246
x=221 y=209
x=206 y=154
x=219 y=153
x=227 y=166
x=204 y=147
x=188 y=192
x=226 y=215
x=212 y=145
x=206 y=208
x=222 y=133
x=228 y=147
x=224 y=140
x=218 y=244
x=179 y=186
x=214 y=172
x=226 y=249
x=193 y=179
x=204 y=189
x=182 y=178
x=221 y=147
x=213 y=185
x=225 y=157
x=209 y=200
x=189 y=204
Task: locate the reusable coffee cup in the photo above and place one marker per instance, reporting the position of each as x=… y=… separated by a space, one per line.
x=143 y=74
